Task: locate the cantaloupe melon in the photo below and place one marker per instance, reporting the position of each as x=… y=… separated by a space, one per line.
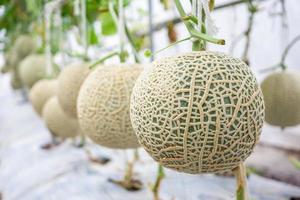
x=281 y=92
x=24 y=45
x=59 y=124
x=199 y=112
x=70 y=81
x=32 y=69
x=41 y=92
x=103 y=106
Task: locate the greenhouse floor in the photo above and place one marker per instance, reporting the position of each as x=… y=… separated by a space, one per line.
x=28 y=172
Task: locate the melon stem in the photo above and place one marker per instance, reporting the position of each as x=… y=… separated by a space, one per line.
x=82 y=141
x=241 y=182
x=286 y=51
x=159 y=177
x=128 y=182
x=101 y=60
x=199 y=37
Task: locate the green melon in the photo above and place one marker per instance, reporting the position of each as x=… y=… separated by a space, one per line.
x=32 y=69
x=59 y=124
x=199 y=112
x=281 y=92
x=41 y=92
x=103 y=106
x=70 y=81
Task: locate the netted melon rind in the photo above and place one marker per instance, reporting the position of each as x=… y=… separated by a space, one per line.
x=103 y=106
x=281 y=92
x=200 y=112
x=41 y=92
x=70 y=81
x=32 y=69
x=57 y=121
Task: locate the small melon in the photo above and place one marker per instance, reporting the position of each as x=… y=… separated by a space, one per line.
x=103 y=106
x=69 y=82
x=281 y=92
x=32 y=69
x=199 y=112
x=59 y=124
x=41 y=92
x=24 y=45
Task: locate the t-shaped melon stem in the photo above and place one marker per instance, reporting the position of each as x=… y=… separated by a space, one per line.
x=241 y=180
x=128 y=182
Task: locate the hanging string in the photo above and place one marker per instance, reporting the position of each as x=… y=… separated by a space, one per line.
x=195 y=13
x=76 y=8
x=84 y=27
x=150 y=24
x=59 y=24
x=194 y=7
x=198 y=6
x=121 y=26
x=48 y=14
x=199 y=14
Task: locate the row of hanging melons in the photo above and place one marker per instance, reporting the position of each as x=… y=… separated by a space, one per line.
x=195 y=112
x=21 y=49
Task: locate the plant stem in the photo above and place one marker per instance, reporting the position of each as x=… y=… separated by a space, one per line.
x=136 y=155
x=194 y=33
x=159 y=177
x=286 y=51
x=252 y=10
x=122 y=54
x=82 y=141
x=101 y=60
x=129 y=172
x=241 y=180
x=172 y=44
x=131 y=41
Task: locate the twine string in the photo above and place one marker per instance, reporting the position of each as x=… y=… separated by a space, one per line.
x=121 y=25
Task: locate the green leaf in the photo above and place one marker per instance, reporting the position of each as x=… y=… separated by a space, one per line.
x=108 y=25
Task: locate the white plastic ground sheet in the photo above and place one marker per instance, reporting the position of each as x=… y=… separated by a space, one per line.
x=29 y=173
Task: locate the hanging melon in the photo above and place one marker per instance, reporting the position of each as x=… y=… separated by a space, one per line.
x=199 y=112
x=41 y=92
x=70 y=81
x=281 y=92
x=32 y=69
x=57 y=121
x=103 y=106
x=24 y=45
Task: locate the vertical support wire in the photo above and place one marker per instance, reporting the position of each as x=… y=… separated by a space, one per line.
x=150 y=24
